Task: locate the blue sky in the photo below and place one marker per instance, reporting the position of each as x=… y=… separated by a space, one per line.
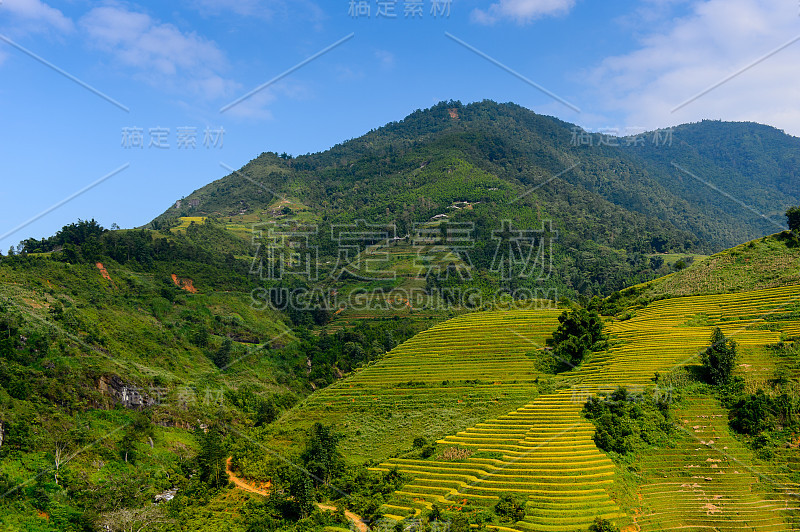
x=173 y=65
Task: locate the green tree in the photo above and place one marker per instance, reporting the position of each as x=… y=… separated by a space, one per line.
x=435 y=513
x=321 y=456
x=212 y=456
x=719 y=359
x=301 y=489
x=200 y=336
x=580 y=332
x=510 y=508
x=459 y=523
x=793 y=218
x=603 y=525
x=139 y=429
x=222 y=357
x=127 y=446
x=753 y=414
x=266 y=412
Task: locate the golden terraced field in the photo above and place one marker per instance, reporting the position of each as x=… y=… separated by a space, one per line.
x=545 y=450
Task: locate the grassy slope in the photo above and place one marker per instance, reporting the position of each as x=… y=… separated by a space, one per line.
x=764 y=263
x=146 y=340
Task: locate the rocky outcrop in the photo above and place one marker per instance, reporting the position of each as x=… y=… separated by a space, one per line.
x=127 y=395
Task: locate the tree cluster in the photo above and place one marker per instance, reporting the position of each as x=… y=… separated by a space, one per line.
x=580 y=332
x=625 y=422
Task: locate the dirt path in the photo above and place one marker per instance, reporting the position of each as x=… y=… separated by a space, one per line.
x=355 y=519
x=241 y=484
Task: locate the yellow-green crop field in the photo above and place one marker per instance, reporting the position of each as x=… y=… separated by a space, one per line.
x=187 y=220
x=544 y=448
x=457 y=373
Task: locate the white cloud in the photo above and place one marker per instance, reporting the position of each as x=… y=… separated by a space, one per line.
x=159 y=52
x=262 y=9
x=246 y=8
x=33 y=16
x=521 y=11
x=385 y=58
x=717 y=39
x=256 y=107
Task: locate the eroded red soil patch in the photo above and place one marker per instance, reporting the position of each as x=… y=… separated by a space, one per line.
x=184 y=283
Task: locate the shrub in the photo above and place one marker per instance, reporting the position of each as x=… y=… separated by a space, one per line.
x=510 y=508
x=419 y=442
x=603 y=525
x=459 y=523
x=759 y=412
x=625 y=421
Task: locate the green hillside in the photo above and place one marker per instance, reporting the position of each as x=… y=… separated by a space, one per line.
x=371 y=329
x=537 y=444
x=768 y=262
x=479 y=164
x=118 y=351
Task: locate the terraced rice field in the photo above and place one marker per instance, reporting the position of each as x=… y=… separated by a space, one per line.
x=672 y=332
x=186 y=221
x=545 y=449
x=709 y=481
x=547 y=453
x=464 y=370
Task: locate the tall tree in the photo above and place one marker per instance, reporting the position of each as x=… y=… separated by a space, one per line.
x=793 y=218
x=321 y=456
x=580 y=332
x=719 y=359
x=211 y=458
x=140 y=428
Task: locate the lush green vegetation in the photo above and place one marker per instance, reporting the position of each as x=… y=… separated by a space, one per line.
x=719 y=359
x=510 y=508
x=580 y=332
x=764 y=263
x=615 y=212
x=126 y=378
x=135 y=363
x=625 y=422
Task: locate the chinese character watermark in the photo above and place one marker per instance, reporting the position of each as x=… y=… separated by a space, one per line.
x=628 y=137
x=436 y=252
x=362 y=250
x=524 y=253
x=159 y=137
x=388 y=9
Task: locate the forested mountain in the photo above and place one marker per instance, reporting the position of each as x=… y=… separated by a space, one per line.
x=697 y=188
